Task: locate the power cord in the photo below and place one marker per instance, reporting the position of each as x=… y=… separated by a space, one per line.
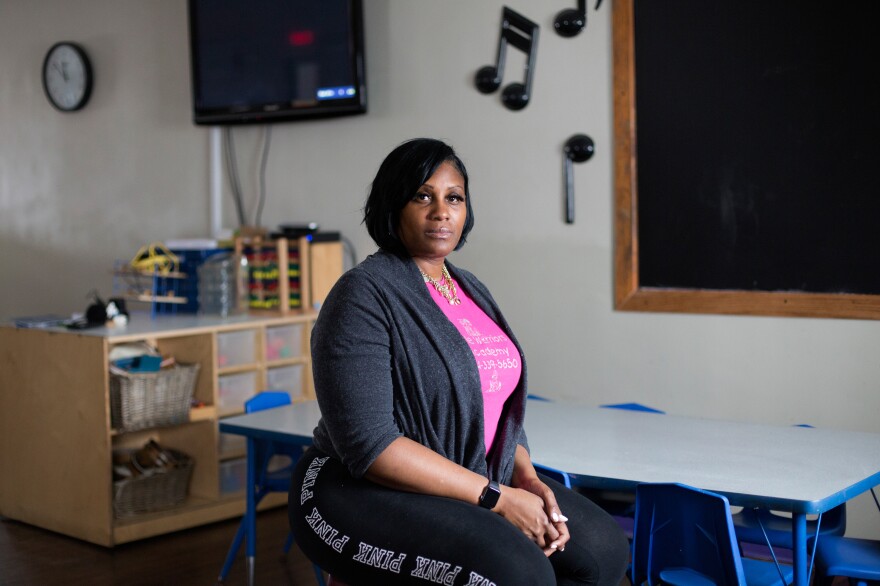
x=267 y=142
x=235 y=180
x=232 y=173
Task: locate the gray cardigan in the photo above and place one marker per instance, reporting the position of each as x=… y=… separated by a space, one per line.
x=387 y=363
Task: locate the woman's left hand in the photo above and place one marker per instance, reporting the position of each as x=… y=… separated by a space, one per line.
x=525 y=478
x=535 y=486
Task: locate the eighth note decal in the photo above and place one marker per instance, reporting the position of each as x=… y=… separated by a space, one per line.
x=522 y=33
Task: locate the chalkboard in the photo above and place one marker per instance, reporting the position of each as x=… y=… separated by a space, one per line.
x=747 y=137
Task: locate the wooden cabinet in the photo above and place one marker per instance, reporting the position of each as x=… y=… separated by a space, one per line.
x=56 y=438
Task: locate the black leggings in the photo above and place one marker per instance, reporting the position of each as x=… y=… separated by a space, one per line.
x=366 y=534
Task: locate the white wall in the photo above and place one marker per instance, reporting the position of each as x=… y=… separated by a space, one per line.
x=80 y=190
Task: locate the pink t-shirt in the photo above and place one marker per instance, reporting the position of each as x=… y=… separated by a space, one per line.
x=496 y=355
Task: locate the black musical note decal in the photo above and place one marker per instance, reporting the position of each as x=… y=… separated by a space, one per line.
x=571 y=21
x=522 y=33
x=578 y=149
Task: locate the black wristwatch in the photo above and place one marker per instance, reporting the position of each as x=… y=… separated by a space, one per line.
x=490 y=495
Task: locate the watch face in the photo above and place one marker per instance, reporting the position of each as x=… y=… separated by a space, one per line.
x=490 y=495
x=67 y=77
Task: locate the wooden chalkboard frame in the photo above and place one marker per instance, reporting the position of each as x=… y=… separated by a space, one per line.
x=629 y=295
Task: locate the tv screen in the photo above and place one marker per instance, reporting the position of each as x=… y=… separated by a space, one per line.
x=256 y=61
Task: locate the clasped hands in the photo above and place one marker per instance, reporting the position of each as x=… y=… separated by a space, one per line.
x=531 y=507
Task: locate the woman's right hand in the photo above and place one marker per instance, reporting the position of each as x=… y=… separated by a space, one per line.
x=410 y=466
x=526 y=512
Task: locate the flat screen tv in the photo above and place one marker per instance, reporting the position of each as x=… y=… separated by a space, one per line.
x=256 y=61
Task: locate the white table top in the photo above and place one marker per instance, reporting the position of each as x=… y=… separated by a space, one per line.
x=798 y=469
x=807 y=470
x=295 y=422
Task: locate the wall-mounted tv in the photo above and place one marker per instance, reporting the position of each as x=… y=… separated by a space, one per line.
x=256 y=61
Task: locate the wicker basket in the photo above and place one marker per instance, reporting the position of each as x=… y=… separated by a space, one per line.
x=139 y=400
x=160 y=490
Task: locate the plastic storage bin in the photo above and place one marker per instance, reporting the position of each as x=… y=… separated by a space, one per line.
x=233 y=476
x=190 y=261
x=235 y=348
x=286 y=378
x=231 y=443
x=222 y=288
x=284 y=342
x=235 y=389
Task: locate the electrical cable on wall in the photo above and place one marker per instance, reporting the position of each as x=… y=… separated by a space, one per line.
x=235 y=180
x=232 y=172
x=267 y=142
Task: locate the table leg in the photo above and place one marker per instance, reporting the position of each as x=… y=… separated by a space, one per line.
x=251 y=509
x=799 y=551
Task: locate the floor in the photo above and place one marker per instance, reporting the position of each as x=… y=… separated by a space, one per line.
x=31 y=556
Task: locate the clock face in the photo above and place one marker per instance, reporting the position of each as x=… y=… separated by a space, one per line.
x=67 y=77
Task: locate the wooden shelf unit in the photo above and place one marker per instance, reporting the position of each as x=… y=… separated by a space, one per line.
x=56 y=439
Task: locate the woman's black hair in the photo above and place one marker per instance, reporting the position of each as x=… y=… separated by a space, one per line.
x=399 y=178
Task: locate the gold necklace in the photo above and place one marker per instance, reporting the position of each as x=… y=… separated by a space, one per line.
x=447 y=289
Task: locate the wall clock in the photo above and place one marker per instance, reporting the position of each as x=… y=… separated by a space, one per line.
x=67 y=76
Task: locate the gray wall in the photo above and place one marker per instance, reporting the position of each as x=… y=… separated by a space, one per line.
x=80 y=190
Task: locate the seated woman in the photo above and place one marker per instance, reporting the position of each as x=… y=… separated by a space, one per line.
x=420 y=470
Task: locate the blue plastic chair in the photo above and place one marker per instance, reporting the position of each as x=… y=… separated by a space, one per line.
x=633 y=407
x=763 y=533
x=277 y=480
x=856 y=559
x=684 y=537
x=532 y=397
x=557 y=475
